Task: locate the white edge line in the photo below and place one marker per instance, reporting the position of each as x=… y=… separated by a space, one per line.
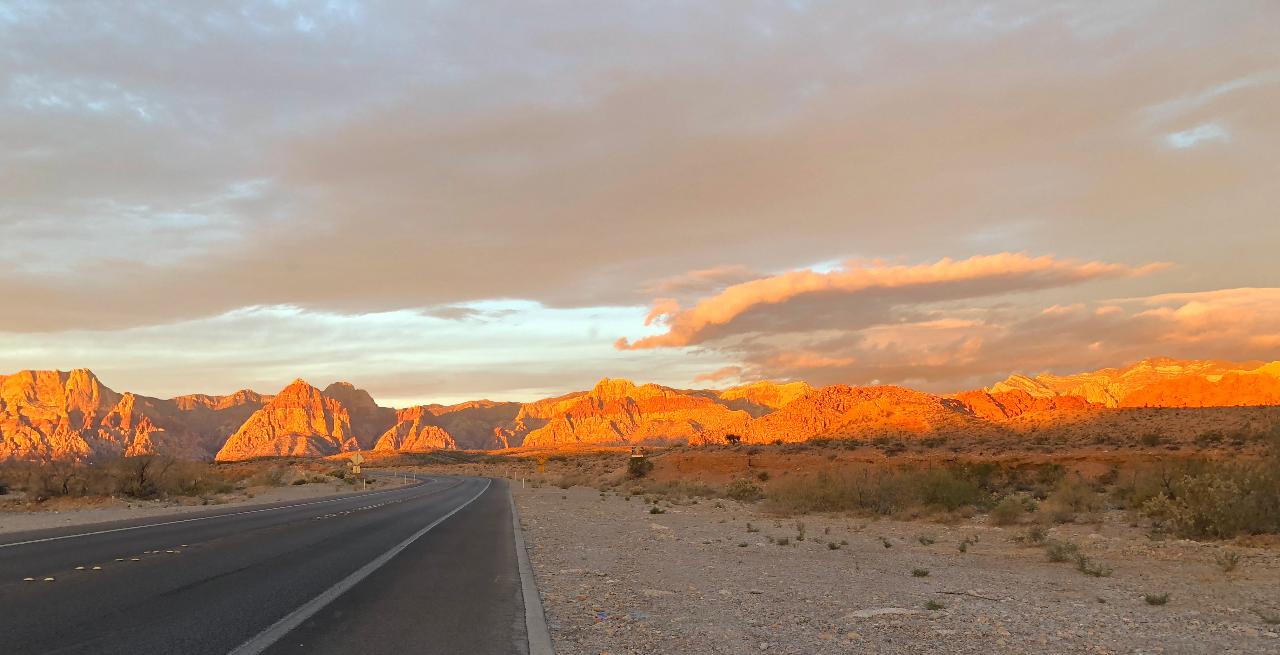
x=275 y=631
x=535 y=619
x=202 y=518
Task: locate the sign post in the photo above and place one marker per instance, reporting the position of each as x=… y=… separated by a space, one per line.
x=356 y=460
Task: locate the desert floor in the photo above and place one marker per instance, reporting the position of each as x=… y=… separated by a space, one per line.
x=616 y=578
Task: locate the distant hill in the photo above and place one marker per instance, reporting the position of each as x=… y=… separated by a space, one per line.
x=47 y=415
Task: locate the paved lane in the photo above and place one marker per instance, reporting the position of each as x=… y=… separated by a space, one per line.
x=211 y=585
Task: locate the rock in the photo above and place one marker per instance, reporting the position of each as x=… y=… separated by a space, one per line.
x=300 y=421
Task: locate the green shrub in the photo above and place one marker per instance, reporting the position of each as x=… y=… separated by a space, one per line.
x=743 y=490
x=638 y=467
x=1153 y=599
x=1008 y=512
x=1061 y=551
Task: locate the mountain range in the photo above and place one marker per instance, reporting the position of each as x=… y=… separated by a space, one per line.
x=47 y=415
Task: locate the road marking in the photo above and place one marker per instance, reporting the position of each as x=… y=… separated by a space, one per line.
x=275 y=631
x=198 y=518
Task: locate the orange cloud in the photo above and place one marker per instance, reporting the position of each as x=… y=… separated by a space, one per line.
x=766 y=300
x=958 y=351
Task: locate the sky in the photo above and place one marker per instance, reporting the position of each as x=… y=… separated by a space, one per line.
x=442 y=201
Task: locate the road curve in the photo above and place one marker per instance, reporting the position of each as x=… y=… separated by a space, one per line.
x=427 y=568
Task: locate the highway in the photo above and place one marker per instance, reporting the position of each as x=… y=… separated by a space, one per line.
x=430 y=567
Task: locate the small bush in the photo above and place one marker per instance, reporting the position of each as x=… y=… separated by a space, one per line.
x=1088 y=566
x=743 y=490
x=1061 y=551
x=1268 y=617
x=1153 y=599
x=831 y=545
x=920 y=573
x=934 y=605
x=638 y=467
x=751 y=528
x=657 y=510
x=886 y=542
x=925 y=540
x=1036 y=535
x=1228 y=561
x=1008 y=512
x=783 y=541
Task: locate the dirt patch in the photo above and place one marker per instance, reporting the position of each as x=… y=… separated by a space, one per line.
x=618 y=578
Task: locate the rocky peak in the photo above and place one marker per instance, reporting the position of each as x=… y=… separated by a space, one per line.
x=350 y=395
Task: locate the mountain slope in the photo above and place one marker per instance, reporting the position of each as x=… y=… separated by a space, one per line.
x=72 y=415
x=618 y=411
x=300 y=421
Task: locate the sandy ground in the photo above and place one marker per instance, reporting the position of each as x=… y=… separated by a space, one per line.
x=86 y=511
x=617 y=579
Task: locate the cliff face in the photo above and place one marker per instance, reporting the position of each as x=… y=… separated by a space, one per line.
x=860 y=412
x=415 y=431
x=1003 y=405
x=1110 y=387
x=618 y=411
x=368 y=420
x=72 y=415
x=1259 y=387
x=300 y=421
x=757 y=398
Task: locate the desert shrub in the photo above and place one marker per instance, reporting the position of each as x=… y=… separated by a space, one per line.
x=744 y=490
x=1008 y=512
x=1220 y=501
x=638 y=467
x=879 y=491
x=1072 y=496
x=1061 y=551
x=920 y=573
x=1156 y=599
x=934 y=605
x=271 y=476
x=1088 y=566
x=1227 y=561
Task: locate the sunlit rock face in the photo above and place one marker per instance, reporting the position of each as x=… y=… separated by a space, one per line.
x=415 y=431
x=1159 y=382
x=46 y=415
x=368 y=420
x=843 y=411
x=618 y=411
x=72 y=415
x=300 y=421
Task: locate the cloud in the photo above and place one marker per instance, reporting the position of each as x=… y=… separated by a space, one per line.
x=1206 y=133
x=805 y=300
x=701 y=281
x=552 y=156
x=971 y=347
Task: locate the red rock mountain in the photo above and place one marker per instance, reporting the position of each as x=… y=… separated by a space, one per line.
x=415 y=431
x=618 y=411
x=300 y=421
x=368 y=420
x=1111 y=387
x=1003 y=405
x=842 y=411
x=72 y=415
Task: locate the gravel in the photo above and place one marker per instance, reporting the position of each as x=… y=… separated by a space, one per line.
x=617 y=579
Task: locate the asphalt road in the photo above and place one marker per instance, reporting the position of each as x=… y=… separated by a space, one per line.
x=428 y=568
